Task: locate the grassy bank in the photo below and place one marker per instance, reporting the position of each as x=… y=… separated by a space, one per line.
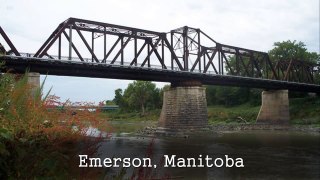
x=216 y=114
x=236 y=114
x=130 y=121
x=118 y=116
x=303 y=111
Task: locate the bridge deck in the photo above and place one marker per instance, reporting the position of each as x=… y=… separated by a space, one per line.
x=101 y=70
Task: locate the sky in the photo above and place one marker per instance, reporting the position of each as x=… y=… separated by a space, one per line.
x=249 y=24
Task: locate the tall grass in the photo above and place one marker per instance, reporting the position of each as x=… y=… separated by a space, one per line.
x=38 y=140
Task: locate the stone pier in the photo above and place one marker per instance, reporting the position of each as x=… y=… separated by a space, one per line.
x=184 y=107
x=274 y=108
x=34 y=82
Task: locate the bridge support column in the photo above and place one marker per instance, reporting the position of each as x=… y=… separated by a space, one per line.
x=34 y=82
x=184 y=106
x=274 y=108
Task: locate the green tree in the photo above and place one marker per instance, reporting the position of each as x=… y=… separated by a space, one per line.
x=228 y=96
x=293 y=50
x=109 y=102
x=287 y=50
x=118 y=98
x=211 y=95
x=141 y=95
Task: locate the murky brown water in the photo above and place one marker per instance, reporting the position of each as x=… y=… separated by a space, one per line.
x=266 y=154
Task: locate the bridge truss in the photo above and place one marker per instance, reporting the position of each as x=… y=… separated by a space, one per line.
x=133 y=53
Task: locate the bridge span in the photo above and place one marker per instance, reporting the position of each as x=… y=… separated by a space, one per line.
x=184 y=56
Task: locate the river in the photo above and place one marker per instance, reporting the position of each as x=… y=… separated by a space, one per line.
x=266 y=154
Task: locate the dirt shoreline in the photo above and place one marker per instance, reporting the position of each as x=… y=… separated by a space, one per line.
x=147 y=131
x=237 y=127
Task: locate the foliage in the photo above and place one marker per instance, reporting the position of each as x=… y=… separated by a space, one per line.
x=231 y=96
x=139 y=95
x=236 y=114
x=151 y=115
x=287 y=50
x=118 y=98
x=239 y=69
x=293 y=50
x=108 y=102
x=309 y=114
x=38 y=140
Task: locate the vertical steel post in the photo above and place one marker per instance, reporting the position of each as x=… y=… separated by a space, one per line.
x=122 y=50
x=148 y=52
x=237 y=62
x=171 y=34
x=135 y=51
x=185 y=47
x=70 y=42
x=162 y=51
x=105 y=43
x=92 y=44
x=199 y=50
x=204 y=61
x=59 y=48
x=219 y=58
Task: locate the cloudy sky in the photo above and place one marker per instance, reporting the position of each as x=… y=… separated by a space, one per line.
x=250 y=24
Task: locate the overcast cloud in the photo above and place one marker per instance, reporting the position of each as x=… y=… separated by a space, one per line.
x=250 y=24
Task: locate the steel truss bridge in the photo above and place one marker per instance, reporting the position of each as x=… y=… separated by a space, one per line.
x=85 y=48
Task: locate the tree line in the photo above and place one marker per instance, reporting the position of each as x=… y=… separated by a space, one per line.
x=144 y=95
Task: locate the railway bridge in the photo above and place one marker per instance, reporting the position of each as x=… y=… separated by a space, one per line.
x=186 y=57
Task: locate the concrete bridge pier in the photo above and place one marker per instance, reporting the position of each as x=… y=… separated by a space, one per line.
x=274 y=108
x=184 y=106
x=34 y=82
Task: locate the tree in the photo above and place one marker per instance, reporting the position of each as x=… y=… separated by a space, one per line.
x=141 y=95
x=211 y=95
x=287 y=50
x=293 y=50
x=118 y=98
x=109 y=102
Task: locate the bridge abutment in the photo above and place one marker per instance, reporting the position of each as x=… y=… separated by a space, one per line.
x=34 y=82
x=274 y=108
x=184 y=106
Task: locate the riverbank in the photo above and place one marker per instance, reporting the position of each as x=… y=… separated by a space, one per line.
x=303 y=111
x=185 y=133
